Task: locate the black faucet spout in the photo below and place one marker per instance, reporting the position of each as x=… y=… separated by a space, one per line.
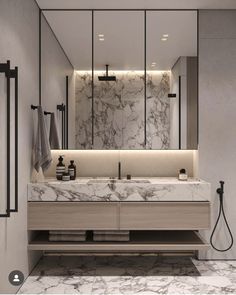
x=119 y=170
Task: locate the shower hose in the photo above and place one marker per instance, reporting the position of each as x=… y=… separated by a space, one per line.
x=220 y=192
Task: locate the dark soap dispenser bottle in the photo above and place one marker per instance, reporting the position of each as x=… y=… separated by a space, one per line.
x=72 y=170
x=61 y=168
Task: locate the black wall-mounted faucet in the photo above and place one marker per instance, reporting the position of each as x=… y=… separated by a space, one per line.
x=119 y=170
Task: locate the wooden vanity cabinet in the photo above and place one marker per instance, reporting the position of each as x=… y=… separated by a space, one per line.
x=118 y=215
x=155 y=226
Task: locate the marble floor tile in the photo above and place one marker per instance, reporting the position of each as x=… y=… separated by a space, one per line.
x=130 y=275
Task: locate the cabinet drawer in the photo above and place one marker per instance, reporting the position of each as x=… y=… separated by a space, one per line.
x=72 y=215
x=165 y=215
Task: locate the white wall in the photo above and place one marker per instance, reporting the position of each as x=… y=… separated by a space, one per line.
x=19 y=23
x=217 y=114
x=19 y=43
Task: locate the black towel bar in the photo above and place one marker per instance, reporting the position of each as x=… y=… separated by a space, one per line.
x=14 y=75
x=11 y=74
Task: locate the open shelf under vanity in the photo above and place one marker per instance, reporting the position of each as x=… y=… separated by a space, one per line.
x=140 y=241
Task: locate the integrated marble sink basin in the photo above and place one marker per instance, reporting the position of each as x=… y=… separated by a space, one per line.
x=155 y=189
x=118 y=181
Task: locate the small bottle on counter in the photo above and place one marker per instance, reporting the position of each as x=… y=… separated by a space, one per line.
x=72 y=170
x=65 y=176
x=183 y=174
x=60 y=168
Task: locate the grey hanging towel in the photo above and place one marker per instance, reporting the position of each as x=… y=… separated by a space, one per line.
x=42 y=157
x=54 y=134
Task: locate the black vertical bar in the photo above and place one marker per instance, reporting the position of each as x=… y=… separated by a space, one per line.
x=145 y=77
x=62 y=127
x=14 y=74
x=92 y=78
x=62 y=109
x=198 y=40
x=40 y=57
x=64 y=115
x=179 y=112
x=16 y=139
x=8 y=138
x=67 y=110
x=5 y=68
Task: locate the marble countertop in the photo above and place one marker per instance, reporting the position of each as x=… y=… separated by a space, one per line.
x=104 y=189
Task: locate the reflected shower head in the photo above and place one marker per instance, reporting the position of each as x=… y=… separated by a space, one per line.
x=107 y=77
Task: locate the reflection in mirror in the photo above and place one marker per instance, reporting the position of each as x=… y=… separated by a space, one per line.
x=73 y=31
x=172 y=69
x=118 y=106
x=113 y=102
x=118 y=81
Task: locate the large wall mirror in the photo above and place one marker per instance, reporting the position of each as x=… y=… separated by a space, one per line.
x=127 y=79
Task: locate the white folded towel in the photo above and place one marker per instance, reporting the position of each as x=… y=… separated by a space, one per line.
x=67 y=238
x=111 y=232
x=67 y=232
x=107 y=238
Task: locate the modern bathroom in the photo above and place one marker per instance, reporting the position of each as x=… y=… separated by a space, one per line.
x=118 y=147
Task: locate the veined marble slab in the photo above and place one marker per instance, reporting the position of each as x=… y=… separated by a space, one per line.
x=106 y=190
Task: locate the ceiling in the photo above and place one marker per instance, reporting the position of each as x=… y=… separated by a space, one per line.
x=137 y=4
x=123 y=45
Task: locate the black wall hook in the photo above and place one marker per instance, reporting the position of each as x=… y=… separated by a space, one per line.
x=61 y=107
x=47 y=113
x=33 y=107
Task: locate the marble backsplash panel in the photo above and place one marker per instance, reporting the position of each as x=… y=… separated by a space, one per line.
x=158 y=111
x=83 y=110
x=119 y=111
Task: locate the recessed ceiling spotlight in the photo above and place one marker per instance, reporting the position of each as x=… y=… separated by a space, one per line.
x=101 y=39
x=165 y=35
x=163 y=39
x=100 y=35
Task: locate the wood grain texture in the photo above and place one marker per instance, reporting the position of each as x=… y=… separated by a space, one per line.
x=116 y=248
x=72 y=215
x=128 y=216
x=165 y=215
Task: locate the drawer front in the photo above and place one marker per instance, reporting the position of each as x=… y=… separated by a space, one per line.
x=165 y=215
x=72 y=215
